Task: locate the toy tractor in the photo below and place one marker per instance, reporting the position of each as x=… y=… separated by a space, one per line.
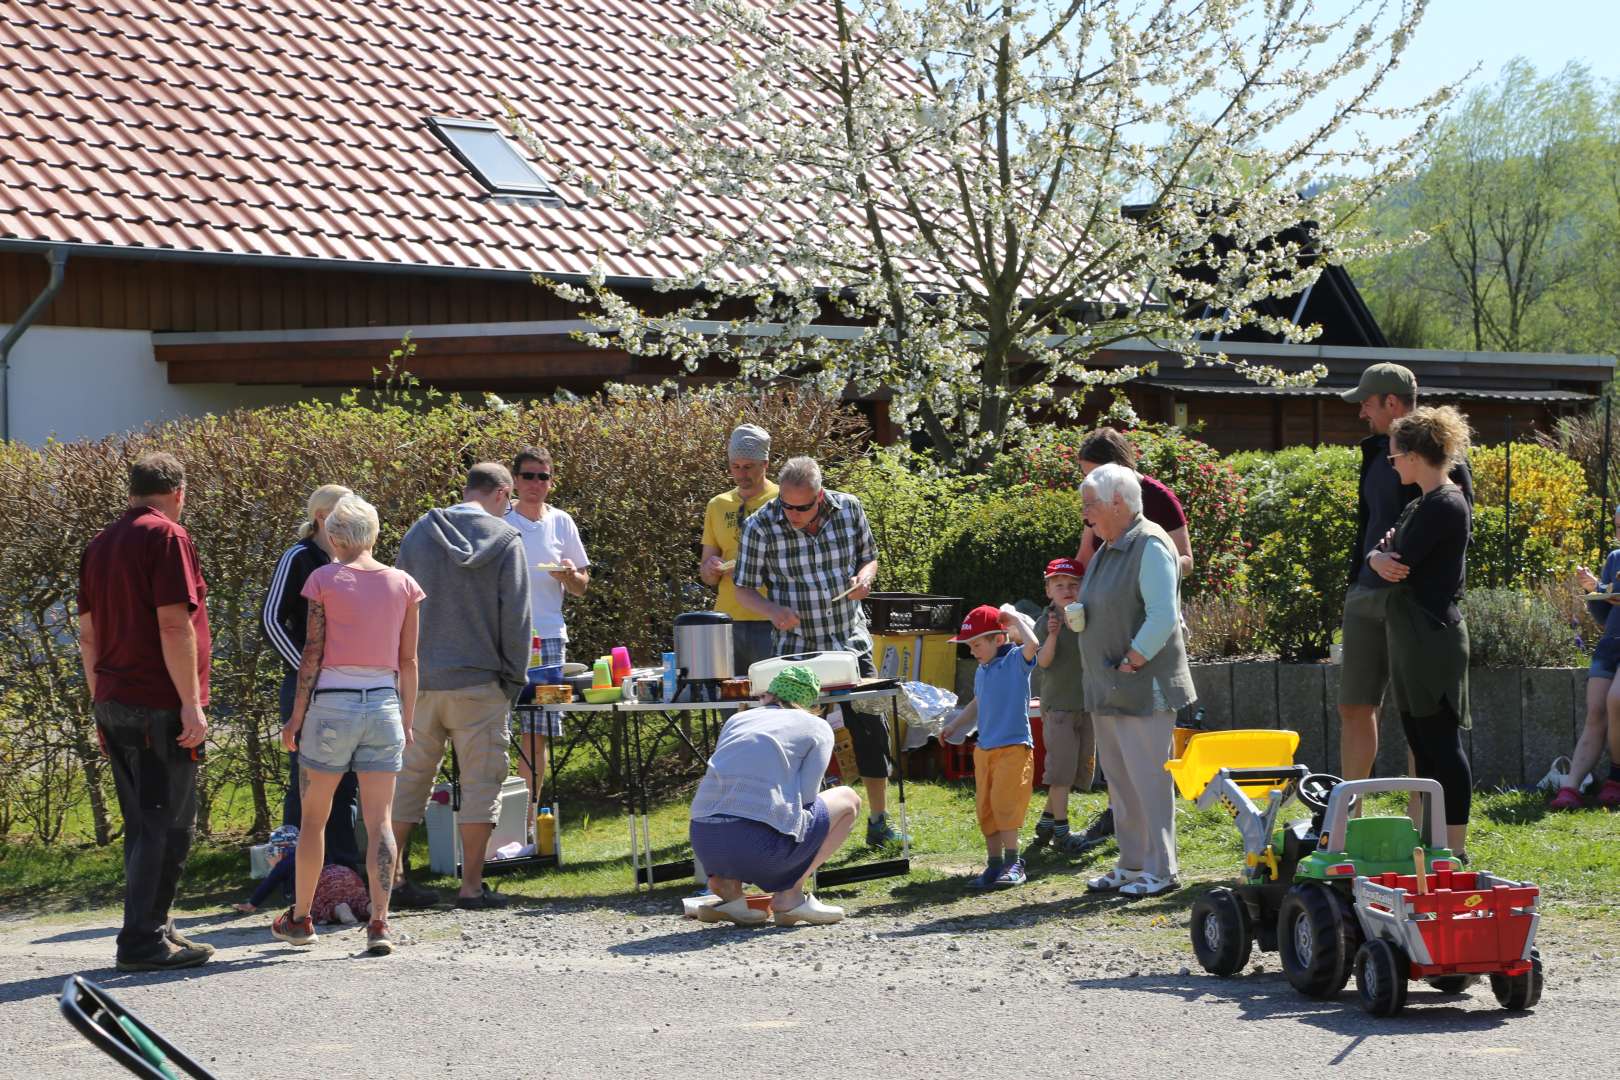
x=1302 y=893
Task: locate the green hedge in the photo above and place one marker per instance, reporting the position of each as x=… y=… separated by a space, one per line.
x=998 y=551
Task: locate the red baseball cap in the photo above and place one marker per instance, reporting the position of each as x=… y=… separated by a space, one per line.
x=1064 y=567
x=982 y=620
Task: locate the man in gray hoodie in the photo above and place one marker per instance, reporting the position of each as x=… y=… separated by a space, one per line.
x=474 y=657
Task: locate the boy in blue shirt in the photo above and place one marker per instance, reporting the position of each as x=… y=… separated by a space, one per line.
x=1004 y=759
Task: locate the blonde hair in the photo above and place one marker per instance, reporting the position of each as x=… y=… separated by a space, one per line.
x=1437 y=435
x=352 y=524
x=321 y=501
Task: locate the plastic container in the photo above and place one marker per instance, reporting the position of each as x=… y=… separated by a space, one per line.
x=911 y=613
x=545 y=832
x=602 y=673
x=956 y=762
x=620 y=658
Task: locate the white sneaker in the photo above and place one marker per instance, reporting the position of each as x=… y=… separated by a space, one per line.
x=736 y=911
x=811 y=911
x=1149 y=885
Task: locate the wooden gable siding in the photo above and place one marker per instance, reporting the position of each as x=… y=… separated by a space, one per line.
x=161 y=295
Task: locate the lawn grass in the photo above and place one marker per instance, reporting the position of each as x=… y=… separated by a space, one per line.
x=1574 y=857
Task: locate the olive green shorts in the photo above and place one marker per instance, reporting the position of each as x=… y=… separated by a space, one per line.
x=1364 y=670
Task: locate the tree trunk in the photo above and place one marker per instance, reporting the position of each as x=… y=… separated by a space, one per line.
x=88 y=754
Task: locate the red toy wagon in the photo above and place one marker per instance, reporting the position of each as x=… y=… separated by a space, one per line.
x=1450 y=927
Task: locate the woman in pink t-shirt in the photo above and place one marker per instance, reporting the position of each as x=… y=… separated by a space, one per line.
x=355 y=699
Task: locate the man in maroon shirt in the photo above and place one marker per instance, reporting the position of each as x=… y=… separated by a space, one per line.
x=143 y=636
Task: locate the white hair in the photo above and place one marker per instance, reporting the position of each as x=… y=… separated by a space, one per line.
x=800 y=472
x=352 y=524
x=1107 y=481
x=321 y=501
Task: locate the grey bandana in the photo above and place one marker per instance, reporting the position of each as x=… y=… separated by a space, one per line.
x=750 y=443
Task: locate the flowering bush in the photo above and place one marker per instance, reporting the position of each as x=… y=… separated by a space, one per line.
x=1553 y=512
x=1210 y=492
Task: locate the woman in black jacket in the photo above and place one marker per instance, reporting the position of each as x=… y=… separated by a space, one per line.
x=284 y=615
x=1426 y=555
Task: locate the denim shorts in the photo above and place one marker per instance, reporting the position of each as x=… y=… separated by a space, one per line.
x=1605 y=658
x=353 y=731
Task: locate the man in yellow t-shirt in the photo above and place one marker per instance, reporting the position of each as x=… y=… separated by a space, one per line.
x=747 y=456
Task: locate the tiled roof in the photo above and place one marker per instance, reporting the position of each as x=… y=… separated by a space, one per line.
x=298 y=128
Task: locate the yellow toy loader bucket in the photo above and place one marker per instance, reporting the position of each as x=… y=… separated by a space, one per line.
x=1208 y=752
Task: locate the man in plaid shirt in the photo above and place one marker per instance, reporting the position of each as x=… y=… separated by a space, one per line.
x=795 y=557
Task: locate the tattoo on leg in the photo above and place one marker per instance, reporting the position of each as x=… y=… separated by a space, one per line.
x=385 y=864
x=303 y=783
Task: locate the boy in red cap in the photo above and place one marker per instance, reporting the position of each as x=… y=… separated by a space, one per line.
x=1004 y=760
x=1071 y=747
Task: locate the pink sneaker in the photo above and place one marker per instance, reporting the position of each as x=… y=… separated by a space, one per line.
x=1609 y=794
x=1566 y=799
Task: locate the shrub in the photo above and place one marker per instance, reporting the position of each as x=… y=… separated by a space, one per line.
x=911 y=504
x=1515 y=628
x=1229 y=626
x=996 y=553
x=636 y=474
x=1302 y=525
x=1551 y=504
x=1210 y=493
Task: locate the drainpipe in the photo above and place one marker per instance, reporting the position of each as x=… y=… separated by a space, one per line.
x=57 y=257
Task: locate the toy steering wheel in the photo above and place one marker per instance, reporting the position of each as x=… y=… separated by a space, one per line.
x=1315 y=788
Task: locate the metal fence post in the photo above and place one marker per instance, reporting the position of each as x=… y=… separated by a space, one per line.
x=1603 y=480
x=1507 y=506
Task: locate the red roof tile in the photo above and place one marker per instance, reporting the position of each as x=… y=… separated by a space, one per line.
x=299 y=127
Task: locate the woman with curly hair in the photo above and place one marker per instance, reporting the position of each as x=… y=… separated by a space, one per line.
x=1427 y=638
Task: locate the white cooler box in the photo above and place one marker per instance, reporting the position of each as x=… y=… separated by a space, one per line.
x=444 y=832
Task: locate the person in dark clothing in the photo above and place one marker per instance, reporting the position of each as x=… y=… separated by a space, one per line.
x=284 y=617
x=1386 y=393
x=1425 y=558
x=145 y=643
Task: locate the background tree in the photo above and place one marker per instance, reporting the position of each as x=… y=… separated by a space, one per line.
x=1520 y=199
x=950 y=176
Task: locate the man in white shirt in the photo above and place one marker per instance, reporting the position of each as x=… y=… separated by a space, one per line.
x=557 y=565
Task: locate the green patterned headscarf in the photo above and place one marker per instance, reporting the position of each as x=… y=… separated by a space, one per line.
x=796 y=685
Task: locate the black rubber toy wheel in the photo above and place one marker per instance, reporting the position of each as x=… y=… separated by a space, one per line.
x=1519 y=992
x=1317 y=937
x=1453 y=984
x=1381 y=971
x=1221 y=935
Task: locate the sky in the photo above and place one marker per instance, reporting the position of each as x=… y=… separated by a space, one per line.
x=1457 y=34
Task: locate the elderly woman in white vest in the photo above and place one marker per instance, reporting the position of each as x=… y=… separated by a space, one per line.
x=1136 y=676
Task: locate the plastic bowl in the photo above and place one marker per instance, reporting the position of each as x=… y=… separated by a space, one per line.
x=600 y=695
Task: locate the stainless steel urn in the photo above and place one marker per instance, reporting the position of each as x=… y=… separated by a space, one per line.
x=703 y=649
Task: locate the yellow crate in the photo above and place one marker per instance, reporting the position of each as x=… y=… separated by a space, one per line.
x=929 y=658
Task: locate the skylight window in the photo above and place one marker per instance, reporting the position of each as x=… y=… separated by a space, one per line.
x=485 y=149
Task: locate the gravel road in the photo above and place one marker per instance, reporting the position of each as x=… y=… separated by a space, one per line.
x=1043 y=989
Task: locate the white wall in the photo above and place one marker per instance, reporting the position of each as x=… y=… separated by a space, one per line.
x=75 y=384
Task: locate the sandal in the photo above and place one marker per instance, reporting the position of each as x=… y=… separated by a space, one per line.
x=1149 y=885
x=1114 y=880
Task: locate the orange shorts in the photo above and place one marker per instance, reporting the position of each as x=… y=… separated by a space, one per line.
x=1003 y=780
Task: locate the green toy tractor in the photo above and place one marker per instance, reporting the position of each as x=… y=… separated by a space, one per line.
x=1296 y=895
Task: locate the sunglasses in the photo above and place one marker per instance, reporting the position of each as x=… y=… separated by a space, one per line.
x=535 y=475
x=806 y=508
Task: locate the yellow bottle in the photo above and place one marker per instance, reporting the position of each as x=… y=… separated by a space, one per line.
x=545 y=832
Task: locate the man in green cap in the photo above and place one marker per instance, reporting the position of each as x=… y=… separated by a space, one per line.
x=1385 y=393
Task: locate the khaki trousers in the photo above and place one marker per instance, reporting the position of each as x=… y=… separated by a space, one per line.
x=1133 y=750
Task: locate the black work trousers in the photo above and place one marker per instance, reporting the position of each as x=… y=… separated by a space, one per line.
x=156 y=780
x=1437 y=753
